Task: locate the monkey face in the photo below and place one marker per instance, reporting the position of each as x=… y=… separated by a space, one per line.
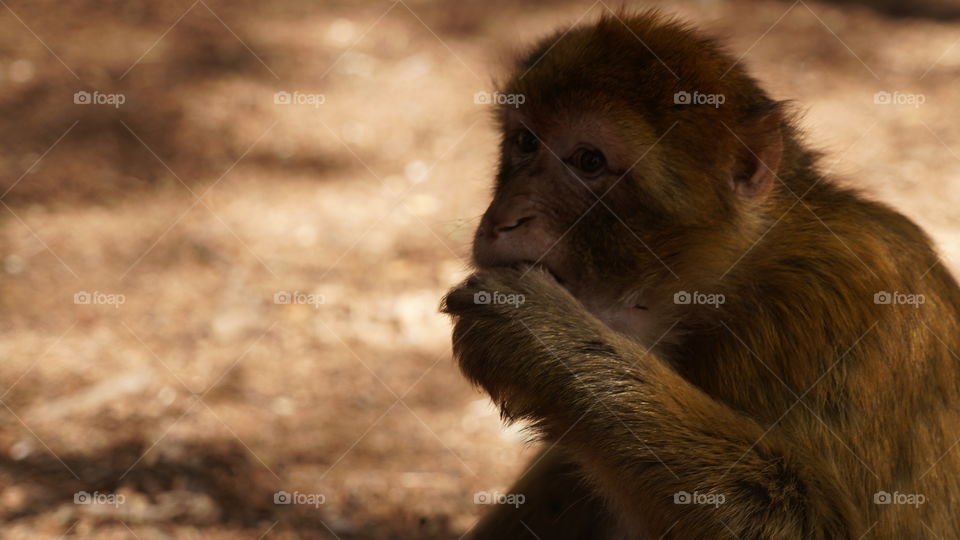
x=567 y=198
x=624 y=192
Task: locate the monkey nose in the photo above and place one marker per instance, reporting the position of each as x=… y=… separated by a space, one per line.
x=510 y=225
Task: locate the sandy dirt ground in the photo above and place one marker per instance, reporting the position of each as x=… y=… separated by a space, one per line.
x=212 y=293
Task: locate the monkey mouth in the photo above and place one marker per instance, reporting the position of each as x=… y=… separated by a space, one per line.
x=553 y=273
x=572 y=286
x=546 y=267
x=526 y=265
x=564 y=278
x=580 y=289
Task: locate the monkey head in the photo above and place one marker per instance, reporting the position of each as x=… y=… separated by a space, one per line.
x=631 y=173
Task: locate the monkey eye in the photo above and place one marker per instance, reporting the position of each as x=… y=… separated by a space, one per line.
x=527 y=142
x=589 y=160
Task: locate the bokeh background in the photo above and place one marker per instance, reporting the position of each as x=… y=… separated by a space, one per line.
x=148 y=360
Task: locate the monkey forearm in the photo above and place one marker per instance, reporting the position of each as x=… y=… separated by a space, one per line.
x=664 y=450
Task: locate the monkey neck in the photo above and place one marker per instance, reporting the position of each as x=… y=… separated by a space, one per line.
x=813 y=267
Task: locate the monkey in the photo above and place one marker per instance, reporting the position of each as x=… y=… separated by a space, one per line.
x=712 y=337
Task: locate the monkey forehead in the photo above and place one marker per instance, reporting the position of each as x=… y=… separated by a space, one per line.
x=623 y=62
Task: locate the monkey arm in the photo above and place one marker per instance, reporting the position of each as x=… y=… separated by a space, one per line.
x=667 y=455
x=660 y=446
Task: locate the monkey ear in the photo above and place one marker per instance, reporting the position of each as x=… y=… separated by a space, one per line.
x=757 y=170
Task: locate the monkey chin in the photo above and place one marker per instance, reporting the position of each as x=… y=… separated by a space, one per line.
x=636 y=322
x=625 y=314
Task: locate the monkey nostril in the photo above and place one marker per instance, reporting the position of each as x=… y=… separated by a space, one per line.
x=515 y=225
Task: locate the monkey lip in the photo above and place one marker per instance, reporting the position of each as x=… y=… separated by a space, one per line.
x=553 y=273
x=556 y=275
x=526 y=263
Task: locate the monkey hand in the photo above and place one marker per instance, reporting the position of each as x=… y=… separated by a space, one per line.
x=523 y=338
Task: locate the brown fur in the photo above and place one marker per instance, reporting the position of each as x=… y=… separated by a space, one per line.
x=797 y=399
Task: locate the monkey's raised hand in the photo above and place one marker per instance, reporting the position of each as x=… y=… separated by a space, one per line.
x=522 y=337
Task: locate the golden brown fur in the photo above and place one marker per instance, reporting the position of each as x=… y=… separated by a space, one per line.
x=799 y=398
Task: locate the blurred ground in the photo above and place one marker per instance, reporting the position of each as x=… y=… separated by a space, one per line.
x=199 y=199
